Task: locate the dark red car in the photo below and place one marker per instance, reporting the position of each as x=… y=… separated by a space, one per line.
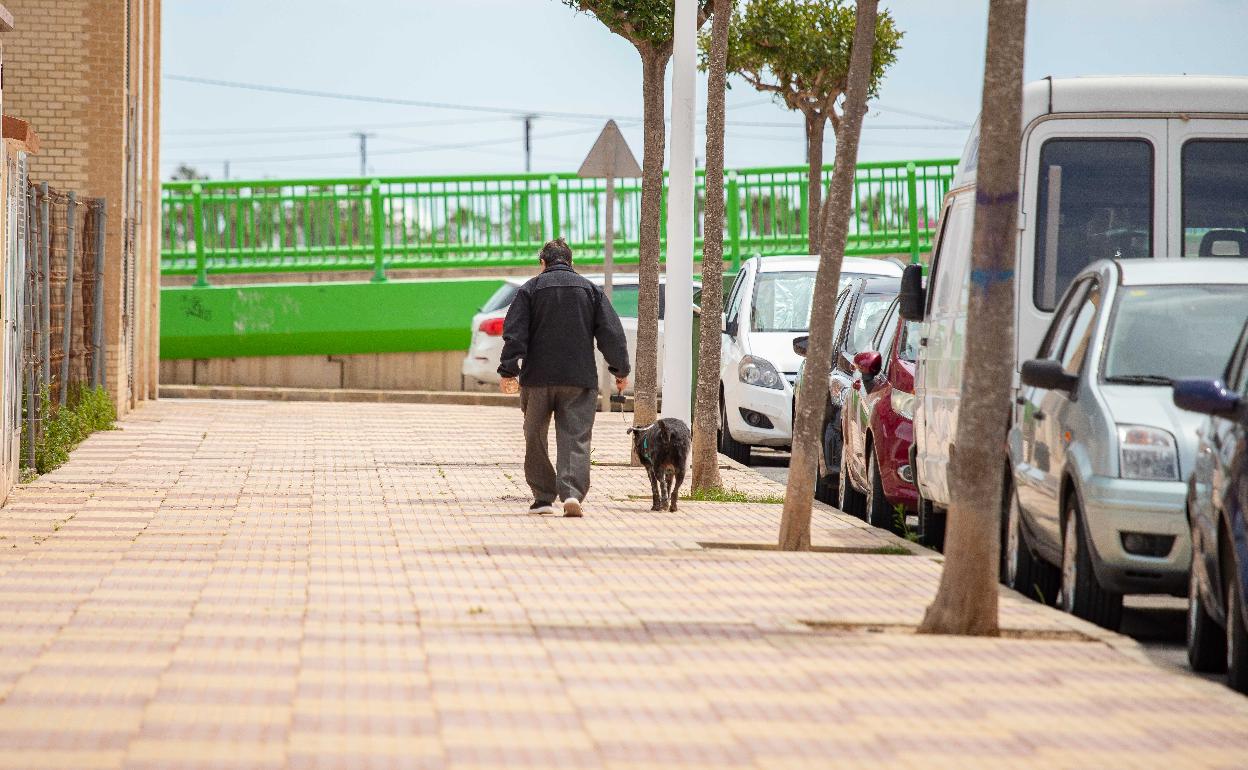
x=878 y=429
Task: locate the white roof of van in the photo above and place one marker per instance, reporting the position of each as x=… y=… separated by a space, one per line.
x=1148 y=272
x=1128 y=94
x=796 y=263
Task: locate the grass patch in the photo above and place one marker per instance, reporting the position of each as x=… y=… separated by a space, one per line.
x=725 y=495
x=890 y=550
x=86 y=410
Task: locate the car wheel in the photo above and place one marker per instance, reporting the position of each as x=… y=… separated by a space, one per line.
x=728 y=446
x=931 y=524
x=1020 y=569
x=849 y=500
x=879 y=512
x=1206 y=644
x=825 y=479
x=1081 y=594
x=1236 y=636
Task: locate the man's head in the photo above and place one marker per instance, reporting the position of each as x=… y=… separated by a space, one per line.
x=556 y=252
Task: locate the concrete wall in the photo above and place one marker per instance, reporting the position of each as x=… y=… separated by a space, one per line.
x=438 y=370
x=85 y=74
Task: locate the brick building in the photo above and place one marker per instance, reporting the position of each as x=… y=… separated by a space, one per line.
x=86 y=75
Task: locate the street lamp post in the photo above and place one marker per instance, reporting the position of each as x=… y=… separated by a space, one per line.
x=678 y=315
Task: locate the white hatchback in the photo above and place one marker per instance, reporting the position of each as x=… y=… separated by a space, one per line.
x=768 y=307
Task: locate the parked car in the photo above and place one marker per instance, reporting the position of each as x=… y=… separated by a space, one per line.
x=1217 y=508
x=480 y=367
x=1096 y=502
x=860 y=311
x=1117 y=167
x=767 y=308
x=877 y=427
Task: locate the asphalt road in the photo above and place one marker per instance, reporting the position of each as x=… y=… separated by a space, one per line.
x=1156 y=622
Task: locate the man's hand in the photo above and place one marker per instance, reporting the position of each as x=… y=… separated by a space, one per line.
x=509 y=385
x=620 y=384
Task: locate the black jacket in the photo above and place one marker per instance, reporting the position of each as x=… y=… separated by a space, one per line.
x=551 y=327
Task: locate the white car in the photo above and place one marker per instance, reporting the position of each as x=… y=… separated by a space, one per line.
x=480 y=368
x=768 y=307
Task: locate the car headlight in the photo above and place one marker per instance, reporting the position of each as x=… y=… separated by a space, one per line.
x=760 y=373
x=1147 y=454
x=903 y=403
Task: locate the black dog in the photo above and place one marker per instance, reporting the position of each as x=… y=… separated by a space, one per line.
x=663 y=448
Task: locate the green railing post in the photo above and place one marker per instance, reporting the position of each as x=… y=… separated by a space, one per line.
x=377 y=208
x=554 y=207
x=197 y=212
x=733 y=211
x=912 y=195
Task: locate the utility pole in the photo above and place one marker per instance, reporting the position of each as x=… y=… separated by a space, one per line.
x=528 y=142
x=225 y=171
x=363 y=137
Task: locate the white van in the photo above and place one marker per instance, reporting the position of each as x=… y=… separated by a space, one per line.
x=1111 y=167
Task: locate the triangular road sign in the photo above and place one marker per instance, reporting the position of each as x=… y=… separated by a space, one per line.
x=610 y=156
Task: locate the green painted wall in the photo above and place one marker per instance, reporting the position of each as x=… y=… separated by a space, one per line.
x=319 y=318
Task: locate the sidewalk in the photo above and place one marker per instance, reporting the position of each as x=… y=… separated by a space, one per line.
x=338 y=585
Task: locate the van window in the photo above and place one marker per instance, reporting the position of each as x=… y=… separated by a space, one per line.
x=1101 y=191
x=949 y=272
x=1215 y=198
x=782 y=302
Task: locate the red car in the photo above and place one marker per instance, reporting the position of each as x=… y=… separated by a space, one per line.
x=876 y=475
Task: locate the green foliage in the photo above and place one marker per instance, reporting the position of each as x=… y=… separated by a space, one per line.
x=889 y=550
x=799 y=50
x=725 y=495
x=641 y=22
x=86 y=410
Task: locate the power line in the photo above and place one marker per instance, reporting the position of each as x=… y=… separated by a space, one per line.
x=305 y=128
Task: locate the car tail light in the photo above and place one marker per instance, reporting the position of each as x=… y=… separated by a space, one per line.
x=492 y=326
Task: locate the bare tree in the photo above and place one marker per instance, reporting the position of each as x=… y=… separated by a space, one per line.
x=706 y=406
x=966 y=602
x=647 y=24
x=799 y=50
x=799 y=495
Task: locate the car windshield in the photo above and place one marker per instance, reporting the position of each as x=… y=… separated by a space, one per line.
x=871 y=314
x=501 y=298
x=782 y=302
x=908 y=345
x=1164 y=333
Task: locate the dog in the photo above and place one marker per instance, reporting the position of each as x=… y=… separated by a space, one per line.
x=663 y=447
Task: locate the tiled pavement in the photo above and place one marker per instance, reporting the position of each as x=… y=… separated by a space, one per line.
x=256 y=585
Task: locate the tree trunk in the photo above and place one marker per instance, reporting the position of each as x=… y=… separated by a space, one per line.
x=706 y=406
x=815 y=124
x=813 y=391
x=966 y=602
x=645 y=382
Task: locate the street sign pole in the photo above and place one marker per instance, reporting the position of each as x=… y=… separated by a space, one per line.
x=609 y=159
x=678 y=317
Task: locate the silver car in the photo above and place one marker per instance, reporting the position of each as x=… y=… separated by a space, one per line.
x=1098 y=451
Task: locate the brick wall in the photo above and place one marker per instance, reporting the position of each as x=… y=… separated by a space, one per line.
x=65 y=71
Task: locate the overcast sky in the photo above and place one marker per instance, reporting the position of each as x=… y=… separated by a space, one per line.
x=537 y=56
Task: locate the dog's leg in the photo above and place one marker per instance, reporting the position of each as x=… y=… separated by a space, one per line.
x=667 y=486
x=654 y=489
x=680 y=479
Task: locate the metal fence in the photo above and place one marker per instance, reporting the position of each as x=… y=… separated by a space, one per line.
x=307 y=225
x=63 y=303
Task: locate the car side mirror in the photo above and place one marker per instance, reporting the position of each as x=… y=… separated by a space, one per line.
x=1048 y=374
x=869 y=362
x=912 y=299
x=800 y=345
x=1210 y=397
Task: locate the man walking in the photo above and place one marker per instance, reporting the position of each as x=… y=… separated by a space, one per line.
x=548 y=346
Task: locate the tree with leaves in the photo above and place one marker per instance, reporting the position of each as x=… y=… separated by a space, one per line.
x=799 y=50
x=647 y=24
x=812 y=392
x=966 y=601
x=706 y=404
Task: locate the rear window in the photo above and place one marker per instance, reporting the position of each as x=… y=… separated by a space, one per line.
x=501 y=298
x=1215 y=198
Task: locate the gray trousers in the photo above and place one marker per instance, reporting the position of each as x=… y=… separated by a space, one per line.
x=573 y=409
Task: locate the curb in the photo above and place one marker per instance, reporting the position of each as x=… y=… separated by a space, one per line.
x=247 y=393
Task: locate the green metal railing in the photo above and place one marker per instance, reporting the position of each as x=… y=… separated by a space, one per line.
x=304 y=225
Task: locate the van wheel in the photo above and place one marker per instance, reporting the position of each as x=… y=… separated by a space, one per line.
x=1206 y=643
x=1236 y=636
x=849 y=500
x=1081 y=595
x=879 y=512
x=931 y=524
x=728 y=446
x=1020 y=570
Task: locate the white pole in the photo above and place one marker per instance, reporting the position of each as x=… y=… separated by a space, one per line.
x=608 y=243
x=678 y=315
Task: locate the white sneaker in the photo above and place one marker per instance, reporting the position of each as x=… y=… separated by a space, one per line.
x=537 y=507
x=572 y=508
